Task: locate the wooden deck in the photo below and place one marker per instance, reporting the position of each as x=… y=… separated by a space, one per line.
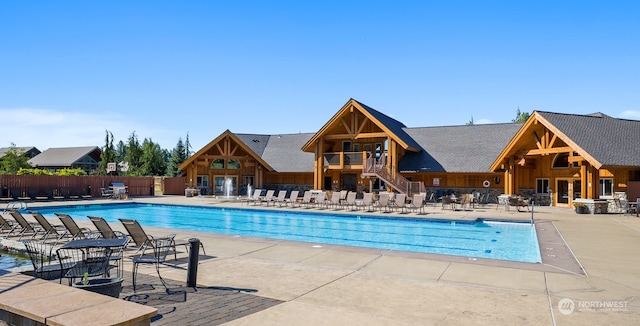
x=182 y=305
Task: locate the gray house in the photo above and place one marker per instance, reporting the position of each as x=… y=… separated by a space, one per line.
x=29 y=151
x=53 y=159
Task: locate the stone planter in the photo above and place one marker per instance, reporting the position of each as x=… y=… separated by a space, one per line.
x=107 y=286
x=582 y=210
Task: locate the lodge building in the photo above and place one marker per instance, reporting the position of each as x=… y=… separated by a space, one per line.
x=554 y=158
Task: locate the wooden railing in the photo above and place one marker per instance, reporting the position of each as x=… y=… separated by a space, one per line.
x=344 y=158
x=378 y=168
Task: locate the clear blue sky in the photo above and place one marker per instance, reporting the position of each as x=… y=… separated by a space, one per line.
x=69 y=70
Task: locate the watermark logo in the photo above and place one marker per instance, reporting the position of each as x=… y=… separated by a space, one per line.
x=567 y=306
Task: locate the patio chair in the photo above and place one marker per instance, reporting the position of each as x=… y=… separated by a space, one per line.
x=350 y=200
x=73 y=229
x=144 y=241
x=161 y=247
x=17 y=194
x=7 y=225
x=282 y=196
x=26 y=227
x=52 y=195
x=367 y=201
x=255 y=198
x=78 y=263
x=399 y=202
x=448 y=202
x=383 y=202
x=518 y=202
x=306 y=198
x=43 y=258
x=333 y=201
x=68 y=195
x=106 y=232
x=416 y=204
x=49 y=229
x=36 y=195
x=320 y=199
x=268 y=197
x=105 y=229
x=106 y=192
x=293 y=198
x=466 y=200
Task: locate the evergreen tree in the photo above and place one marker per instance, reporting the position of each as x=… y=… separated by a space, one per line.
x=14 y=160
x=470 y=123
x=153 y=160
x=521 y=116
x=121 y=151
x=133 y=152
x=187 y=148
x=178 y=155
x=108 y=155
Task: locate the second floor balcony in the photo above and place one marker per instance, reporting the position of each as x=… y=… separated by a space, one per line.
x=342 y=160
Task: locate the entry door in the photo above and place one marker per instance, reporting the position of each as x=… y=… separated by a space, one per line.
x=564 y=192
x=226 y=185
x=349 y=182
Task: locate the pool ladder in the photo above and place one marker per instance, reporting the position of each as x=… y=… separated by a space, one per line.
x=16 y=206
x=532 y=206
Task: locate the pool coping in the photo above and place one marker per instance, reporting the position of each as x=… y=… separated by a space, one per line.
x=560 y=260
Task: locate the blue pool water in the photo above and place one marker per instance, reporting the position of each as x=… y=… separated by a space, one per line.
x=479 y=239
x=8 y=261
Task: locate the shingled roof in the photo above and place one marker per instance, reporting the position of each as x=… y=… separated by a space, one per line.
x=395 y=126
x=465 y=148
x=610 y=141
x=284 y=154
x=64 y=156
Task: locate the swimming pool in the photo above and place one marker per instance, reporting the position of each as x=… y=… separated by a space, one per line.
x=478 y=239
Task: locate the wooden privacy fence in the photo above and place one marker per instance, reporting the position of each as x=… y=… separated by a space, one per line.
x=46 y=186
x=174 y=186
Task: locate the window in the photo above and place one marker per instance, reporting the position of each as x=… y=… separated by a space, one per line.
x=378 y=150
x=561 y=160
x=542 y=186
x=217 y=164
x=247 y=180
x=233 y=164
x=356 y=147
x=606 y=187
x=202 y=181
x=346 y=146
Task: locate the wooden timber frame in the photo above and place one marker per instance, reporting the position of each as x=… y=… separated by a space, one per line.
x=220 y=159
x=534 y=153
x=343 y=145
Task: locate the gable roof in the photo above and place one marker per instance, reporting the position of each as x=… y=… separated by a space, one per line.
x=456 y=149
x=248 y=147
x=594 y=135
x=64 y=156
x=389 y=125
x=29 y=151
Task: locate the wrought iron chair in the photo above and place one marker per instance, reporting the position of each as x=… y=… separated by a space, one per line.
x=83 y=262
x=161 y=247
x=43 y=258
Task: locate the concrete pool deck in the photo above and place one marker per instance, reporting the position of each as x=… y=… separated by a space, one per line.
x=329 y=285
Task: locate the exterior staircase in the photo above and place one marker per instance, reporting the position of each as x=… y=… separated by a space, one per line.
x=377 y=168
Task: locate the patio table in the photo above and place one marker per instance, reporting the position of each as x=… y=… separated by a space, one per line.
x=94 y=254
